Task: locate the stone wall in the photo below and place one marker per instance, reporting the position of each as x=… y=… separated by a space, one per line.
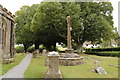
x=7 y=35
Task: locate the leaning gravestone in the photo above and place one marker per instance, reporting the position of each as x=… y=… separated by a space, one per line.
x=99 y=69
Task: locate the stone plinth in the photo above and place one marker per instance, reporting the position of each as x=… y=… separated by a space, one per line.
x=53 y=71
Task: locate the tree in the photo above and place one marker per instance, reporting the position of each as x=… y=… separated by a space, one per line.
x=24 y=35
x=90 y=21
x=41 y=24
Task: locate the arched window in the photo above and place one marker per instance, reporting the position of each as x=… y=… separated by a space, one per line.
x=3 y=29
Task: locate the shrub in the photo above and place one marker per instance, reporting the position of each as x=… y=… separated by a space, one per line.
x=31 y=49
x=19 y=49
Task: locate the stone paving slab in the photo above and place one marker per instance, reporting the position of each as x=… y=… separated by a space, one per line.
x=18 y=71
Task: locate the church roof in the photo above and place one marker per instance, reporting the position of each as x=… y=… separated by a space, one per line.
x=6 y=13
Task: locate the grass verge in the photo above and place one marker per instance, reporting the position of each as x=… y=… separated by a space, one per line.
x=7 y=67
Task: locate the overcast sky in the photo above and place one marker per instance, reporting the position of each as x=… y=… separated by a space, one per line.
x=14 y=5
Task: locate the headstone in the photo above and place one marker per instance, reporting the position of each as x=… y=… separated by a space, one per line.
x=35 y=54
x=53 y=71
x=44 y=52
x=101 y=70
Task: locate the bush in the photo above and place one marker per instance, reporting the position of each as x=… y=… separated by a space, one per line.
x=19 y=49
x=31 y=49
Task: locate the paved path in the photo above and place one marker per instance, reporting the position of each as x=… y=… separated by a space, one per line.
x=18 y=71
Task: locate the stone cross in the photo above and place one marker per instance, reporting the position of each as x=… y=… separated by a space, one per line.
x=69 y=50
x=68 y=33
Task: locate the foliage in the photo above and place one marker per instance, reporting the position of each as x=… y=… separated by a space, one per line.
x=88 y=22
x=45 y=23
x=31 y=49
x=24 y=35
x=19 y=49
x=105 y=53
x=104 y=49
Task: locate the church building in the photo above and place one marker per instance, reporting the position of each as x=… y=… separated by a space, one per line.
x=7 y=35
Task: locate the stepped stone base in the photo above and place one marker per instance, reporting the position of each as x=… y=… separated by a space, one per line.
x=69 y=51
x=72 y=59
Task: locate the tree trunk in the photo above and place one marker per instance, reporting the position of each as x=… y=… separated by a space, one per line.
x=25 y=47
x=54 y=47
x=79 y=47
x=36 y=46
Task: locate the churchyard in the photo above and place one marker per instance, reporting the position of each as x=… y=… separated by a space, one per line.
x=74 y=26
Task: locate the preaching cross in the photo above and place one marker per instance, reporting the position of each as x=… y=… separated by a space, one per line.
x=69 y=50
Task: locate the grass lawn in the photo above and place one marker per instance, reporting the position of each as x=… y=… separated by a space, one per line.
x=37 y=69
x=84 y=70
x=7 y=67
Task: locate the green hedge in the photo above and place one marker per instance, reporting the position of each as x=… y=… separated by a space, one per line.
x=105 y=53
x=111 y=51
x=104 y=49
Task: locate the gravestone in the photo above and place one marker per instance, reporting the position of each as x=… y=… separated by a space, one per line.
x=99 y=69
x=35 y=53
x=53 y=70
x=44 y=52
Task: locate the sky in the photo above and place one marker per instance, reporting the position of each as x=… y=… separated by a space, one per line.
x=14 y=5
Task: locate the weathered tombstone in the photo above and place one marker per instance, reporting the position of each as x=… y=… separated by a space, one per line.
x=35 y=53
x=99 y=69
x=44 y=51
x=53 y=71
